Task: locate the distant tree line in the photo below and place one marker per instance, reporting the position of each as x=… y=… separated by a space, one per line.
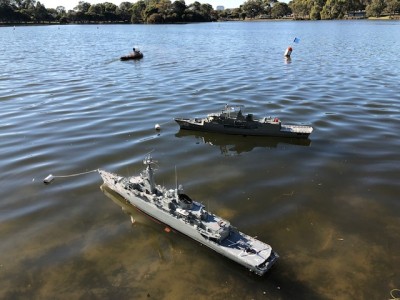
x=339 y=9
x=318 y=9
x=166 y=11
x=142 y=11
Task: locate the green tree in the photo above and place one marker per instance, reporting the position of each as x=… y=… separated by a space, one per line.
x=279 y=10
x=61 y=10
x=376 y=8
x=53 y=14
x=138 y=12
x=236 y=13
x=315 y=13
x=266 y=7
x=164 y=9
x=110 y=12
x=253 y=8
x=392 y=6
x=151 y=9
x=124 y=11
x=206 y=11
x=40 y=13
x=24 y=4
x=195 y=6
x=193 y=13
x=82 y=7
x=300 y=9
x=155 y=18
x=6 y=11
x=96 y=12
x=354 y=5
x=334 y=9
x=178 y=8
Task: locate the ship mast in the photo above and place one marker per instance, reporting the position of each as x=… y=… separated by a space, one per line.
x=149 y=173
x=176 y=184
x=178 y=187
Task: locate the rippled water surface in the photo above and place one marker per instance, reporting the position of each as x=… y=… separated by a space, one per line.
x=328 y=205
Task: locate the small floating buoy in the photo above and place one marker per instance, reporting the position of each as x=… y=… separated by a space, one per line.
x=167 y=229
x=157 y=127
x=288 y=51
x=48 y=179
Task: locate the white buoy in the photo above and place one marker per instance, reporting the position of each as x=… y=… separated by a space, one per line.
x=48 y=179
x=157 y=127
x=288 y=51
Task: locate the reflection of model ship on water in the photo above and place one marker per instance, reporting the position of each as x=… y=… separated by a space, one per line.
x=232 y=121
x=232 y=144
x=127 y=208
x=177 y=210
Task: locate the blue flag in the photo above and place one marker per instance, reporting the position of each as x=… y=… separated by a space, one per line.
x=296 y=40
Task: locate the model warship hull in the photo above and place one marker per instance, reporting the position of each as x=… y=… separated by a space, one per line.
x=231 y=120
x=237 y=246
x=133 y=56
x=275 y=130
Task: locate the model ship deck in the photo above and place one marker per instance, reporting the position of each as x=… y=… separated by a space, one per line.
x=177 y=210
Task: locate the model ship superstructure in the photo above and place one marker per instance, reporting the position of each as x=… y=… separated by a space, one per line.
x=178 y=211
x=232 y=121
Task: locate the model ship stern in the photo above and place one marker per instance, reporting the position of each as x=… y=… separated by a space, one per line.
x=267 y=264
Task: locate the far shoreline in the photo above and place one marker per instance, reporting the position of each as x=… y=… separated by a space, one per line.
x=385 y=18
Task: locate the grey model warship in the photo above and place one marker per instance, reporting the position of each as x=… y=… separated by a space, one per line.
x=178 y=211
x=231 y=120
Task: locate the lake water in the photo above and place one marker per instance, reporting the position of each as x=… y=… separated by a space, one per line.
x=328 y=205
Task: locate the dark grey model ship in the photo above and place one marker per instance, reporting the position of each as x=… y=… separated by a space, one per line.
x=177 y=210
x=136 y=54
x=232 y=121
